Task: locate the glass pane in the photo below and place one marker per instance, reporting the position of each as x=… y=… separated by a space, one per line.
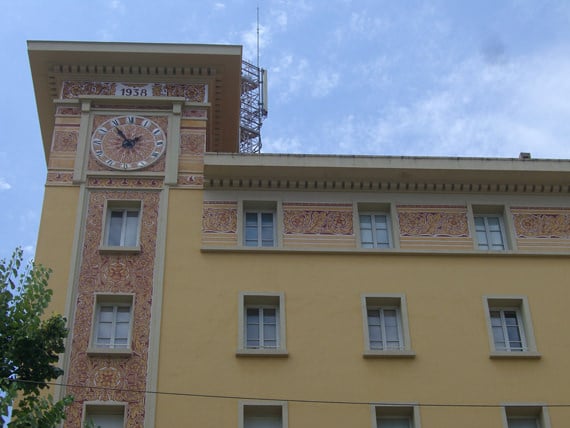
x=132 y=228
x=523 y=423
x=121 y=331
x=106 y=314
x=123 y=314
x=104 y=333
x=115 y=226
x=373 y=317
x=394 y=423
x=269 y=333
x=252 y=316
x=269 y=315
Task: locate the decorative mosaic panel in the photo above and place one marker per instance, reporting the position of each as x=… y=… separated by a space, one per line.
x=433 y=221
x=219 y=217
x=59 y=178
x=540 y=223
x=195 y=92
x=192 y=143
x=65 y=140
x=194 y=114
x=317 y=219
x=124 y=182
x=191 y=180
x=103 y=378
x=67 y=111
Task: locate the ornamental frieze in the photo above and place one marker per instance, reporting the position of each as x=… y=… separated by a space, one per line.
x=219 y=219
x=65 y=140
x=317 y=222
x=434 y=224
x=195 y=92
x=192 y=144
x=123 y=182
x=542 y=225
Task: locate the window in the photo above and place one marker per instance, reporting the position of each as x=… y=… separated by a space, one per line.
x=526 y=416
x=395 y=416
x=386 y=326
x=112 y=325
x=510 y=327
x=259 y=229
x=122 y=225
x=263 y=414
x=262 y=324
x=105 y=415
x=490 y=232
x=375 y=230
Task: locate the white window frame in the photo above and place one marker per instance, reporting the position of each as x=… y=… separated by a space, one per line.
x=535 y=411
x=259 y=209
x=261 y=300
x=387 y=302
x=396 y=411
x=261 y=404
x=116 y=301
x=123 y=206
x=103 y=408
x=373 y=214
x=518 y=304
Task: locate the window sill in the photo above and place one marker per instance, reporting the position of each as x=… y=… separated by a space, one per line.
x=118 y=249
x=515 y=355
x=389 y=354
x=279 y=353
x=109 y=352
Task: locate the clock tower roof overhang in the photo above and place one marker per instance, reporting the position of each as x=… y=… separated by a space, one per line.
x=53 y=62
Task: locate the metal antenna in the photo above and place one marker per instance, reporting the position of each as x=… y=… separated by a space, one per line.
x=257 y=35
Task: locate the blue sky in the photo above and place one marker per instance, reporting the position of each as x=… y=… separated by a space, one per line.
x=399 y=77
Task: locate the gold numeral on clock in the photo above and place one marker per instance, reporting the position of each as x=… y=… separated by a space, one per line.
x=115 y=122
x=102 y=130
x=145 y=123
x=159 y=143
x=130 y=119
x=156 y=131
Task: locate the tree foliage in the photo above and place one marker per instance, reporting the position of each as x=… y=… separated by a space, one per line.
x=29 y=345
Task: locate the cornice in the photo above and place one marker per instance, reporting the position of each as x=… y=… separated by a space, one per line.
x=386 y=174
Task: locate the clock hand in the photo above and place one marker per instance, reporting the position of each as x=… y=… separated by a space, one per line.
x=121 y=134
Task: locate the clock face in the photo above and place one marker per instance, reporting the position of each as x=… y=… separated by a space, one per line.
x=128 y=142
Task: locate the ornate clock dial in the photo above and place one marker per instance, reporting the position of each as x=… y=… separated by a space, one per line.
x=128 y=142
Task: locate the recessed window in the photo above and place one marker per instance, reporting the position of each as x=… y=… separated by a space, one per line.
x=396 y=416
x=262 y=324
x=510 y=326
x=490 y=232
x=259 y=229
x=531 y=416
x=266 y=414
x=386 y=326
x=112 y=324
x=104 y=416
x=122 y=225
x=375 y=230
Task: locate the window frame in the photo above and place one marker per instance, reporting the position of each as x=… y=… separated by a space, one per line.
x=248 y=300
x=112 y=407
x=373 y=301
x=259 y=208
x=536 y=411
x=373 y=214
x=123 y=206
x=115 y=300
x=520 y=305
x=411 y=411
x=261 y=404
x=487 y=211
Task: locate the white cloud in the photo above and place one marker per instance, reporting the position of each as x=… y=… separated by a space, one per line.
x=283 y=145
x=219 y=6
x=476 y=109
x=249 y=41
x=324 y=83
x=4 y=185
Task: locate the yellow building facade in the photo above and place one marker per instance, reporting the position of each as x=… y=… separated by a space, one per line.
x=208 y=288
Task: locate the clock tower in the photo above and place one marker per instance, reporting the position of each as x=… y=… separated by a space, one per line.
x=124 y=128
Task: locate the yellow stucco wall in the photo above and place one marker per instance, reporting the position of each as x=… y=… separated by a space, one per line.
x=324 y=331
x=55 y=239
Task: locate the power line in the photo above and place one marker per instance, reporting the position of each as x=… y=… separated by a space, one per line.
x=293 y=400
